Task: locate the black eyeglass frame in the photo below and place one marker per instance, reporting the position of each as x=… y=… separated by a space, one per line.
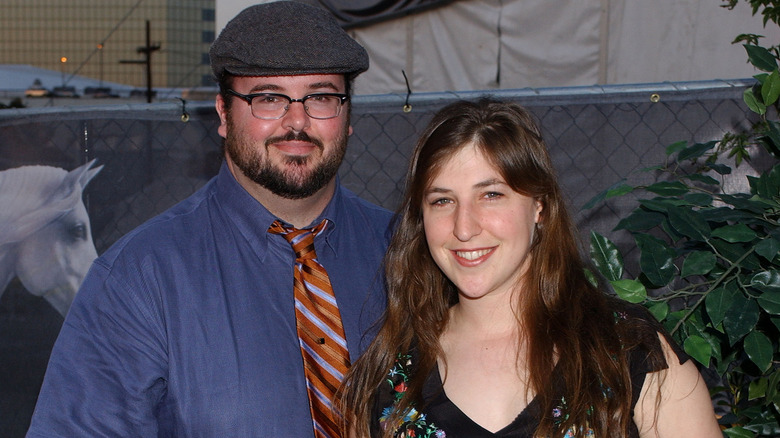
x=343 y=98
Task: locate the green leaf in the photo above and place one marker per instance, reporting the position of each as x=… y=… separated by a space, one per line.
x=762 y=421
x=695 y=151
x=773 y=388
x=759 y=349
x=767 y=281
x=617 y=189
x=738 y=432
x=772 y=140
x=706 y=179
x=735 y=233
x=672 y=319
x=743 y=202
x=695 y=326
x=606 y=257
x=770 y=89
x=761 y=58
x=640 y=220
x=740 y=319
x=656 y=259
x=689 y=223
x=676 y=147
x=767 y=185
x=757 y=389
x=699 y=349
x=768 y=248
x=753 y=103
x=591 y=278
x=726 y=214
x=668 y=188
x=632 y=291
x=719 y=168
x=734 y=251
x=728 y=358
x=761 y=77
x=770 y=302
x=659 y=310
x=698 y=199
x=718 y=302
x=698 y=263
x=661 y=205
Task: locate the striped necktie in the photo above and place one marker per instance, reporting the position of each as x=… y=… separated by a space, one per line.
x=320 y=331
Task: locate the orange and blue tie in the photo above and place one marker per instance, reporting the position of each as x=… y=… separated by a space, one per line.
x=320 y=330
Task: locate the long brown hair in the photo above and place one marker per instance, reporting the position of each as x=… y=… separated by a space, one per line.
x=568 y=323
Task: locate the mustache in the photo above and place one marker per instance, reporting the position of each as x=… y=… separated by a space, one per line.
x=294 y=136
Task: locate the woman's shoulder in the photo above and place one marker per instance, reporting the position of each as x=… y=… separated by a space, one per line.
x=641 y=335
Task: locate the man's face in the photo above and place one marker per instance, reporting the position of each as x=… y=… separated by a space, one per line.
x=296 y=155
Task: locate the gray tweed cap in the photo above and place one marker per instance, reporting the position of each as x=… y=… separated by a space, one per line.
x=285 y=38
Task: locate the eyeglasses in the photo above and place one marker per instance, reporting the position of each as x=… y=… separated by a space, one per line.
x=272 y=106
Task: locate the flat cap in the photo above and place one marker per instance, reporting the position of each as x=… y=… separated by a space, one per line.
x=285 y=38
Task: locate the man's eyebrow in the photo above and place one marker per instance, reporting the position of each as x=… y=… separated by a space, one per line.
x=259 y=88
x=323 y=84
x=265 y=87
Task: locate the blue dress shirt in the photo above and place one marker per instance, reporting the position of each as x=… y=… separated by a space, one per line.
x=185 y=327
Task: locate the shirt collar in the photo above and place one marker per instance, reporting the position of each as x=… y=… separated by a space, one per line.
x=252 y=219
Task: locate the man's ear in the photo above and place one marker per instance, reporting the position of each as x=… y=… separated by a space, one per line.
x=222 y=112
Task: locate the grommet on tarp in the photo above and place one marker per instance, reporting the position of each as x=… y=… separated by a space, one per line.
x=655 y=97
x=185 y=117
x=407 y=105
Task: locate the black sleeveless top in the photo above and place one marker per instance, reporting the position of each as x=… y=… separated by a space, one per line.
x=442 y=418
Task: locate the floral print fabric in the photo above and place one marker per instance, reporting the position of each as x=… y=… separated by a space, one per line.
x=413 y=424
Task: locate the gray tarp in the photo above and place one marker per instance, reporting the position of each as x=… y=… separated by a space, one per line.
x=352 y=14
x=507 y=44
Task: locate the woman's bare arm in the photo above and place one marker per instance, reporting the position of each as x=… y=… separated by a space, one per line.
x=684 y=407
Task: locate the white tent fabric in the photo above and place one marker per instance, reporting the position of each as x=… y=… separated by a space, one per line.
x=509 y=44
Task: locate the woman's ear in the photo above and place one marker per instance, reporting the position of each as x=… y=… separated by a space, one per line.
x=539 y=208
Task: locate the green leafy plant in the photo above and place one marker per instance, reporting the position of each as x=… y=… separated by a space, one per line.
x=710 y=272
x=709 y=257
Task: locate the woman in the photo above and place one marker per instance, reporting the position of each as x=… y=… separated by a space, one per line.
x=492 y=327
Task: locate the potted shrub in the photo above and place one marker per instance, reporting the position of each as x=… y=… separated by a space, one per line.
x=708 y=260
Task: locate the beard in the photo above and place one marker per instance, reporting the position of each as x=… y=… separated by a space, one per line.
x=292 y=178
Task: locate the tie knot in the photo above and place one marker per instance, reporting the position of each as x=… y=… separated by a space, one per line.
x=301 y=240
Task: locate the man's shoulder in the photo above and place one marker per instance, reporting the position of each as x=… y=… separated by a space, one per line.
x=173 y=227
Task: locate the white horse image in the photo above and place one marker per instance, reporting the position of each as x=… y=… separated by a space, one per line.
x=45 y=234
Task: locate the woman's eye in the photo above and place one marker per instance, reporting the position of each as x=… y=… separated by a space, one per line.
x=493 y=195
x=440 y=201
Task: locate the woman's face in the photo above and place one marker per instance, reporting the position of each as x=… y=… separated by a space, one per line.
x=478 y=229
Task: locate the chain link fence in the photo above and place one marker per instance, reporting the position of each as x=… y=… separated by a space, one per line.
x=151 y=158
x=155 y=155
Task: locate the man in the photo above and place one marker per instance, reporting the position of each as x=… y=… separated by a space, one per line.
x=187 y=326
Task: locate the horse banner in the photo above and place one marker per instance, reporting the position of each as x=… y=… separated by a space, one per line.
x=46 y=249
x=70 y=186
